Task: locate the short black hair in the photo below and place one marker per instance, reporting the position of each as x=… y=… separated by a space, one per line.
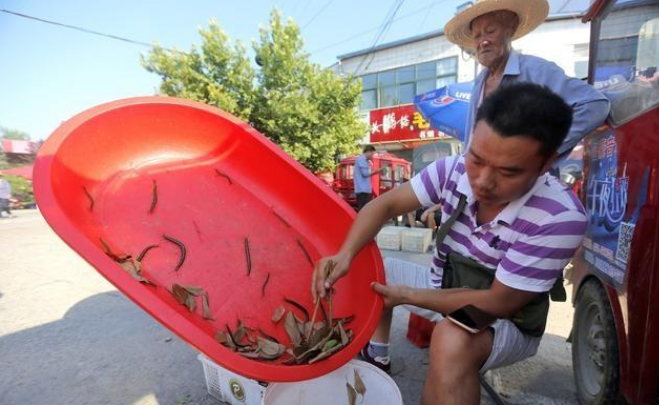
x=530 y=110
x=369 y=148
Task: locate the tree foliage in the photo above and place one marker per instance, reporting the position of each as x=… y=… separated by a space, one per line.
x=311 y=113
x=13 y=134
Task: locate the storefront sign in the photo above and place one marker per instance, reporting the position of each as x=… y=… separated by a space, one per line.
x=401 y=123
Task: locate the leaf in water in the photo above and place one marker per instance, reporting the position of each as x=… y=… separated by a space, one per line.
x=290 y=324
x=278 y=314
x=206 y=309
x=193 y=289
x=180 y=293
x=359 y=385
x=352 y=394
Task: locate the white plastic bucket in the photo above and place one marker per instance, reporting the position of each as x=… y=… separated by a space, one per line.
x=331 y=389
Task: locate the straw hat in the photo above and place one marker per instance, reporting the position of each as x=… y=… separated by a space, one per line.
x=531 y=13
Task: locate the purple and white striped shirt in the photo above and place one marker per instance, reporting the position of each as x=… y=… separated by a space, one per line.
x=528 y=243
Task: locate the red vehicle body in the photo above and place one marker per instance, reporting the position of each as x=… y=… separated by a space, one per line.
x=615 y=336
x=396 y=171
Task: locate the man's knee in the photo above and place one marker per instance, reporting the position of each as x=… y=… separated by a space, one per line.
x=454 y=346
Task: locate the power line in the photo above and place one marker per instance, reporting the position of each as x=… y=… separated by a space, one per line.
x=317 y=14
x=384 y=28
x=361 y=34
x=81 y=29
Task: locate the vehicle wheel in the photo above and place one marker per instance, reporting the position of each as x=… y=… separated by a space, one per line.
x=595 y=357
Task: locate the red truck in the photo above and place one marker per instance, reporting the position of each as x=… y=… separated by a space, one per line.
x=396 y=171
x=616 y=273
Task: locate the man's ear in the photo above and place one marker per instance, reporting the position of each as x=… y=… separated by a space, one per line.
x=548 y=162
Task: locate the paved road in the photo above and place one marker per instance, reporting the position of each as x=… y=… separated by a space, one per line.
x=67 y=337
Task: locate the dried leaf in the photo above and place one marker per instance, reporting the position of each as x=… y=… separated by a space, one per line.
x=180 y=293
x=269 y=349
x=221 y=337
x=206 y=309
x=359 y=385
x=191 y=303
x=344 y=336
x=240 y=332
x=193 y=289
x=134 y=268
x=290 y=324
x=278 y=314
x=352 y=394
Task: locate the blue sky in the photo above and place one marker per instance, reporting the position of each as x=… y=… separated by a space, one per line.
x=49 y=73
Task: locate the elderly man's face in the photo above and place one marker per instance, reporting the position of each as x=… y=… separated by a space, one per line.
x=493 y=34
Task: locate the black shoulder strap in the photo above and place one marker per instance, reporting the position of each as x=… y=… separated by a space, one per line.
x=446 y=226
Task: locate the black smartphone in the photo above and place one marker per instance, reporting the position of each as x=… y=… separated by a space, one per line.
x=471 y=318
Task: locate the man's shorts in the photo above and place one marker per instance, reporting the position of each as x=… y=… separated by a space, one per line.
x=509 y=346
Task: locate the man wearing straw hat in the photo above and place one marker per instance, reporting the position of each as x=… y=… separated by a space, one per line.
x=487 y=30
x=508 y=228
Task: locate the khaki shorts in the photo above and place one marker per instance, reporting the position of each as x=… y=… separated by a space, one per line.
x=509 y=346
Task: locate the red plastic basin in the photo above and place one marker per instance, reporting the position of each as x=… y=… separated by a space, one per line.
x=115 y=151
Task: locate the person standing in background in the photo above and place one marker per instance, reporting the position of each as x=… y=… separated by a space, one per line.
x=362 y=177
x=487 y=30
x=5 y=196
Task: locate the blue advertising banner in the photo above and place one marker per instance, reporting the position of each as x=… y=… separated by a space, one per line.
x=610 y=227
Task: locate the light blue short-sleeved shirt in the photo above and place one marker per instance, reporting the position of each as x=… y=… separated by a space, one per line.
x=362 y=175
x=589 y=107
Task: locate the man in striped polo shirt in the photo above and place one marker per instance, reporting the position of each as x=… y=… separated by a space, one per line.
x=518 y=220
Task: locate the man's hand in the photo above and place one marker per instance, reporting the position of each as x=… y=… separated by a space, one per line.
x=393 y=295
x=321 y=281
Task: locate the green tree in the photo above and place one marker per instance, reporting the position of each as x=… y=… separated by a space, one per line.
x=311 y=113
x=14 y=134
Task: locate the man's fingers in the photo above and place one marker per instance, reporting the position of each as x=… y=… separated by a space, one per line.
x=379 y=288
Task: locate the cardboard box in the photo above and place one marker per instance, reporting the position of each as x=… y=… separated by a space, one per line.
x=416 y=239
x=389 y=237
x=230 y=387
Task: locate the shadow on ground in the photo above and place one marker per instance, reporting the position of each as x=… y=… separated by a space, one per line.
x=105 y=350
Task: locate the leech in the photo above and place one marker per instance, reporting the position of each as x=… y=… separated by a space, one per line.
x=300 y=307
x=144 y=252
x=248 y=257
x=89 y=196
x=281 y=218
x=181 y=246
x=154 y=199
x=224 y=175
x=306 y=253
x=265 y=283
x=196 y=228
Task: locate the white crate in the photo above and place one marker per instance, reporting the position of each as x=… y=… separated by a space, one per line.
x=389 y=238
x=230 y=387
x=416 y=239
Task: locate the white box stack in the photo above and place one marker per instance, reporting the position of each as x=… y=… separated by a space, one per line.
x=389 y=238
x=230 y=387
x=416 y=239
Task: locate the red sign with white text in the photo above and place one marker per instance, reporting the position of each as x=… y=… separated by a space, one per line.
x=402 y=123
